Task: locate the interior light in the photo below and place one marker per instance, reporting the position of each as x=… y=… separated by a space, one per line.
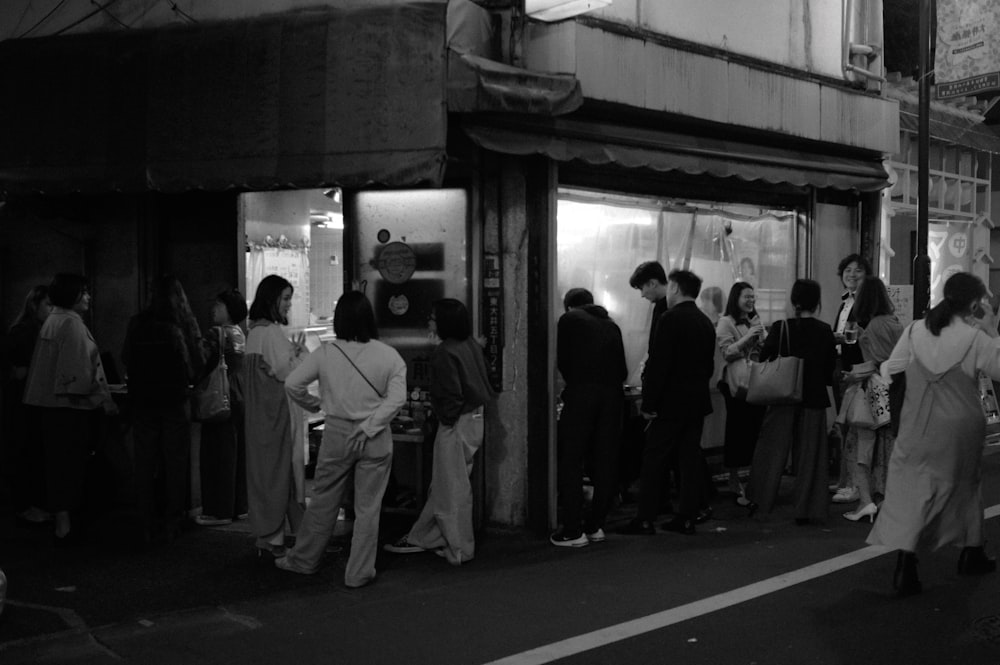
x=557 y=10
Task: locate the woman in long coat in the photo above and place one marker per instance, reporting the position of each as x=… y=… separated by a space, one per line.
x=934 y=490
x=273 y=495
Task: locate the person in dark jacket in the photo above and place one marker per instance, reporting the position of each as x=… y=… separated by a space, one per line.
x=162 y=354
x=675 y=401
x=590 y=356
x=801 y=425
x=22 y=460
x=460 y=390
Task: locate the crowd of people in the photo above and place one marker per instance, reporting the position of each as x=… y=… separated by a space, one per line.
x=57 y=393
x=908 y=436
x=913 y=468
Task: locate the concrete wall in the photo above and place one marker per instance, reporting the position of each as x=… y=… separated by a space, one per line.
x=803 y=34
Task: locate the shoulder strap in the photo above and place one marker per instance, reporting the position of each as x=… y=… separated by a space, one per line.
x=344 y=353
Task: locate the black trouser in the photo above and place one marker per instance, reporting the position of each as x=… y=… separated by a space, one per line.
x=224 y=466
x=162 y=437
x=680 y=435
x=69 y=436
x=590 y=428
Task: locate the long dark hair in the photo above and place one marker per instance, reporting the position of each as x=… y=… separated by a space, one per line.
x=871 y=300
x=733 y=304
x=961 y=292
x=265 y=302
x=29 y=313
x=169 y=303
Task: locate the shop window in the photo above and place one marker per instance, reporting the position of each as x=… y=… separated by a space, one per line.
x=601 y=238
x=299 y=235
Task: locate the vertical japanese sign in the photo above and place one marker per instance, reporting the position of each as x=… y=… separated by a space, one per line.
x=493 y=317
x=948 y=246
x=901 y=296
x=967 y=55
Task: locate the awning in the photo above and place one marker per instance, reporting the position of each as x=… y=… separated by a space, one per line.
x=324 y=97
x=953 y=129
x=476 y=84
x=598 y=143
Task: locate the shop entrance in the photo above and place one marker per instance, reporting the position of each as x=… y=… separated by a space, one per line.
x=601 y=237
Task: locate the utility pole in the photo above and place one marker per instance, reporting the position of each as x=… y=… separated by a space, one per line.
x=922 y=261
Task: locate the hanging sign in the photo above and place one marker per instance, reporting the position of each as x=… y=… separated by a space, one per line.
x=967 y=55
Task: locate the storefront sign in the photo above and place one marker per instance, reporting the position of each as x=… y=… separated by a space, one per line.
x=493 y=317
x=396 y=262
x=948 y=245
x=967 y=57
x=901 y=296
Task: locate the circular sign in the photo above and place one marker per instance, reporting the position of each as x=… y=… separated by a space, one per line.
x=383 y=236
x=396 y=262
x=399 y=305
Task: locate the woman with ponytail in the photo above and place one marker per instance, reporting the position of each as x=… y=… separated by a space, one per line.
x=933 y=491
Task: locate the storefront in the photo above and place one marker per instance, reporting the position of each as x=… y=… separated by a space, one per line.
x=962 y=154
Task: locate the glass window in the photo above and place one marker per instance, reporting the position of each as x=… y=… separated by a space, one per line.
x=601 y=238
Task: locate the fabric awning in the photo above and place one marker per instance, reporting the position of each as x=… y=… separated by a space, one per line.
x=477 y=84
x=314 y=98
x=598 y=143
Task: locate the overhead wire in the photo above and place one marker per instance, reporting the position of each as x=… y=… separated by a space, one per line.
x=42 y=20
x=99 y=9
x=182 y=13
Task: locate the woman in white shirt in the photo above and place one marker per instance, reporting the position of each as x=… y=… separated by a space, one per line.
x=362 y=386
x=934 y=488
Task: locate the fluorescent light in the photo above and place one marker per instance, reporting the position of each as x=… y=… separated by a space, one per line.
x=557 y=10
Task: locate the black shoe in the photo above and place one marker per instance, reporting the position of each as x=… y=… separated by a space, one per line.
x=703 y=515
x=637 y=527
x=751 y=508
x=973 y=561
x=905 y=581
x=680 y=525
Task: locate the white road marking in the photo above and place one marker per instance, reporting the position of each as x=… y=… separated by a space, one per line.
x=646 y=624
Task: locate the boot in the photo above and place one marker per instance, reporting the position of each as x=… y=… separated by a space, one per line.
x=905 y=581
x=973 y=561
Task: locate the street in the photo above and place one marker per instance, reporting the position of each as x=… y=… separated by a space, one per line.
x=747 y=591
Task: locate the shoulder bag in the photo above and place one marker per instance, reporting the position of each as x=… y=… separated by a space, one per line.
x=778 y=381
x=211 y=397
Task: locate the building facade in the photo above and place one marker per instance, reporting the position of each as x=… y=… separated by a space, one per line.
x=463 y=149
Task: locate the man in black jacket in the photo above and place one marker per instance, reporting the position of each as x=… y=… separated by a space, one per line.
x=590 y=356
x=675 y=401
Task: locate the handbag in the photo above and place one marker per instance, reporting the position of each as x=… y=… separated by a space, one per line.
x=211 y=397
x=854 y=408
x=738 y=377
x=778 y=381
x=877 y=394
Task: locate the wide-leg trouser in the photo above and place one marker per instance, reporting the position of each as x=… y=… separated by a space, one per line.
x=334 y=464
x=446 y=518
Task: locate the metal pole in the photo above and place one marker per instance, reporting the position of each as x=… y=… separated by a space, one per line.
x=922 y=261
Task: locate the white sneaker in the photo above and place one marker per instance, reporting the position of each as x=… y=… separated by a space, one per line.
x=597 y=536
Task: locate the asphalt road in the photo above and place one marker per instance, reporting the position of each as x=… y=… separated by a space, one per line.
x=762 y=591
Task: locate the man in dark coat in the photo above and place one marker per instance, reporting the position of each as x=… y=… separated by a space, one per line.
x=590 y=356
x=675 y=401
